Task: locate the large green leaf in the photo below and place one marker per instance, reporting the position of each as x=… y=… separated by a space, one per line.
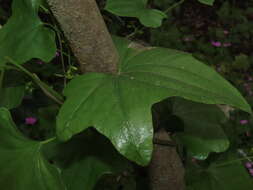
x=136 y=8
x=12 y=88
x=24 y=36
x=22 y=165
x=202 y=131
x=207 y=2
x=119 y=106
x=85 y=159
x=219 y=176
x=11 y=97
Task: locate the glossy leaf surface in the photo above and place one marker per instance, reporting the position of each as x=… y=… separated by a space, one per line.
x=24 y=36
x=136 y=8
x=202 y=128
x=119 y=106
x=22 y=164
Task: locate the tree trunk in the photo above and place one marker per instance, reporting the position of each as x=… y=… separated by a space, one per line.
x=91 y=44
x=87 y=34
x=166 y=171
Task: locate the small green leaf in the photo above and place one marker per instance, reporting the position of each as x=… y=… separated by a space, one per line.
x=207 y=2
x=21 y=161
x=11 y=97
x=136 y=8
x=202 y=131
x=241 y=62
x=24 y=36
x=85 y=159
x=119 y=106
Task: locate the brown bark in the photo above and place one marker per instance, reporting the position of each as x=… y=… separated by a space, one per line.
x=166 y=171
x=87 y=34
x=91 y=43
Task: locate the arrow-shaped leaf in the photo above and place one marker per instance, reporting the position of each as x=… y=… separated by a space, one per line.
x=24 y=36
x=21 y=161
x=119 y=106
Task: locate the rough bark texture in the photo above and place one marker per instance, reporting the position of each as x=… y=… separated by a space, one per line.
x=91 y=43
x=166 y=171
x=87 y=34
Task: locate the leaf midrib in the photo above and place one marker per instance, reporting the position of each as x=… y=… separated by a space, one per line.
x=185 y=83
x=118 y=95
x=169 y=67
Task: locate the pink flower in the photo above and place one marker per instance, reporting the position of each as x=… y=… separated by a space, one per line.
x=250 y=79
x=30 y=120
x=57 y=54
x=251 y=171
x=248 y=88
x=40 y=62
x=246 y=85
x=226 y=32
x=216 y=44
x=187 y=39
x=248 y=165
x=194 y=160
x=248 y=134
x=219 y=69
x=243 y=122
x=228 y=44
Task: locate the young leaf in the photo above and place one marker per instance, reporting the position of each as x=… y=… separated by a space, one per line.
x=24 y=36
x=22 y=164
x=202 y=131
x=119 y=106
x=136 y=8
x=207 y=2
x=85 y=159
